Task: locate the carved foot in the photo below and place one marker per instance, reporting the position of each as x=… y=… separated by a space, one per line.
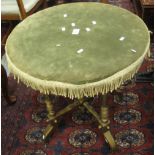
x=49 y=130
x=110 y=140
x=50 y=127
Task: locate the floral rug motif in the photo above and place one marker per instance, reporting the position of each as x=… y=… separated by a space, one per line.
x=130 y=138
x=82 y=138
x=40 y=115
x=34 y=135
x=127 y=116
x=126 y=98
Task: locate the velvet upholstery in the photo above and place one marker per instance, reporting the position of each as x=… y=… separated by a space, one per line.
x=115 y=38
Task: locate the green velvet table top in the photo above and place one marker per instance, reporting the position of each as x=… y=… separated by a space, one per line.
x=77 y=43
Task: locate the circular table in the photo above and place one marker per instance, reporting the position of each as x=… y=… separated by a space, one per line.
x=77 y=50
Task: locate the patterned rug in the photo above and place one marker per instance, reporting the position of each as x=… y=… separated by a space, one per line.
x=131 y=115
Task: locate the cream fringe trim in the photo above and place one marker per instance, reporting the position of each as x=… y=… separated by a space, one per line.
x=78 y=91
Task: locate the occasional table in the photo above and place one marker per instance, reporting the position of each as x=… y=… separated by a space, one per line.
x=78 y=50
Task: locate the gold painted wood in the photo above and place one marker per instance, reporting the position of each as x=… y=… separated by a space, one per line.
x=104 y=124
x=104 y=114
x=49 y=107
x=47 y=131
x=94 y=113
x=65 y=110
x=110 y=140
x=103 y=120
x=50 y=127
x=104 y=109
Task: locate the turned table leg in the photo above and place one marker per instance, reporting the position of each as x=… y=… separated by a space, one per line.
x=105 y=120
x=50 y=127
x=104 y=123
x=52 y=116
